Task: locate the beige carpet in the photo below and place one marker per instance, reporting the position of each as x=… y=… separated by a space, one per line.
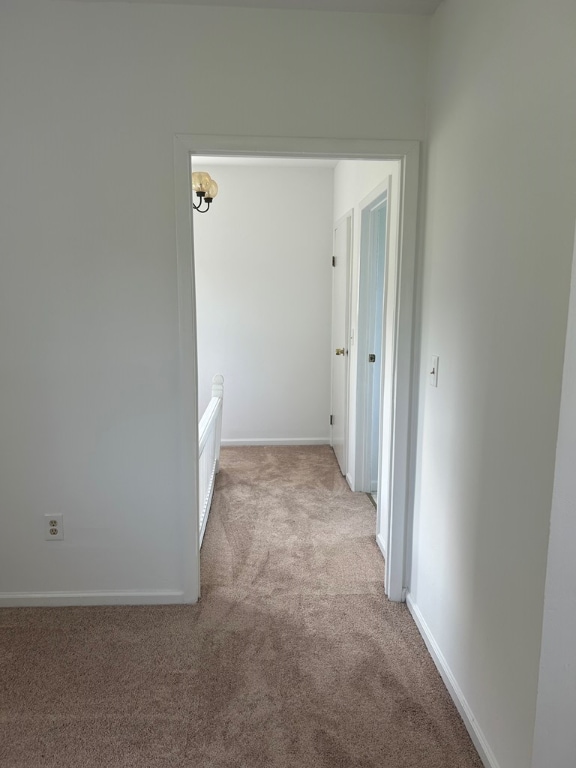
x=292 y=659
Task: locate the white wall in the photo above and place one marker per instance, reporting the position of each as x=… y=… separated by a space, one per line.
x=92 y=95
x=555 y=734
x=263 y=271
x=501 y=198
x=354 y=180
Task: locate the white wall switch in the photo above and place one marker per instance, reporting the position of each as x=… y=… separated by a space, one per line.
x=433 y=371
x=54 y=527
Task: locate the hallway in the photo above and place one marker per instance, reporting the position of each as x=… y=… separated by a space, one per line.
x=317 y=667
x=292 y=659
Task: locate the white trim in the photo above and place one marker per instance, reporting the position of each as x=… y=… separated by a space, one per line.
x=116 y=597
x=188 y=373
x=387 y=404
x=363 y=404
x=408 y=152
x=472 y=726
x=381 y=544
x=287 y=146
x=277 y=441
x=405 y=383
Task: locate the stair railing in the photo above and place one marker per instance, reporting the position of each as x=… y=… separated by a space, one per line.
x=210 y=432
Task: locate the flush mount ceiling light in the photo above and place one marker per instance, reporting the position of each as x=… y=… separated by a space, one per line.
x=206 y=190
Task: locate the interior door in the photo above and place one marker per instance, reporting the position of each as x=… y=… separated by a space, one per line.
x=378 y=226
x=340 y=339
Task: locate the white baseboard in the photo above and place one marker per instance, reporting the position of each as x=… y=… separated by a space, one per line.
x=476 y=734
x=47 y=599
x=277 y=441
x=381 y=544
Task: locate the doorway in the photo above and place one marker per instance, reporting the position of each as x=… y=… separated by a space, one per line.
x=407 y=153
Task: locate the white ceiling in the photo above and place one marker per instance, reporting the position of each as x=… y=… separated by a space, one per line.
x=422 y=7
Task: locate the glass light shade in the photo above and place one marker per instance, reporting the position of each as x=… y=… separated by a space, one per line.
x=200 y=181
x=212 y=189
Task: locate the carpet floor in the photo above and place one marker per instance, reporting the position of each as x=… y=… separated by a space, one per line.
x=293 y=658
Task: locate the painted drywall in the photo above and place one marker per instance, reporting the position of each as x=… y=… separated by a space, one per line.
x=500 y=200
x=263 y=285
x=92 y=95
x=354 y=181
x=555 y=735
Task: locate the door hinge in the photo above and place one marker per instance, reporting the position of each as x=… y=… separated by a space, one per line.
x=333 y=261
x=331 y=419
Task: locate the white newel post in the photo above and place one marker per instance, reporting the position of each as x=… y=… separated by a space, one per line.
x=218 y=385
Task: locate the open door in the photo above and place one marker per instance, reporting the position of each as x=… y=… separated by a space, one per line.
x=376 y=219
x=374 y=339
x=340 y=339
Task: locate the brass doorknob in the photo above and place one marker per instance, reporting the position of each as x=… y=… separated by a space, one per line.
x=340 y=351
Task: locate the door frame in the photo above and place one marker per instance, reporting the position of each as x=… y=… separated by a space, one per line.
x=348 y=220
x=365 y=306
x=408 y=152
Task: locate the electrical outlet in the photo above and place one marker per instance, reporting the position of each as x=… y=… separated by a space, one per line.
x=54 y=527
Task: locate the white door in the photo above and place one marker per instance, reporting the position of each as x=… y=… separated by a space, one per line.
x=372 y=337
x=377 y=223
x=340 y=339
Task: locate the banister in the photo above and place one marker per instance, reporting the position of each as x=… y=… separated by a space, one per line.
x=209 y=435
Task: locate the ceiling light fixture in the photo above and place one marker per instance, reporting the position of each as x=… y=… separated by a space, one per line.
x=206 y=190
